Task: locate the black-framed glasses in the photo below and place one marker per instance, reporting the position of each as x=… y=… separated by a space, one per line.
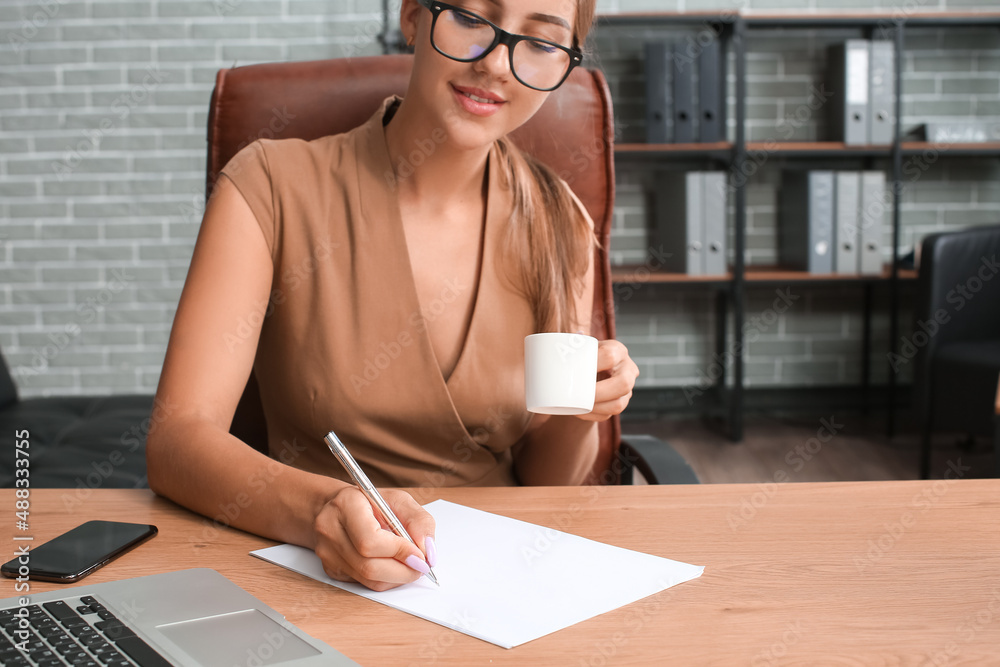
x=466 y=37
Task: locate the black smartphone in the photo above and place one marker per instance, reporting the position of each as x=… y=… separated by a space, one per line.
x=78 y=552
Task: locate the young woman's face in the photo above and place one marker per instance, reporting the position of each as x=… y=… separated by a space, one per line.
x=478 y=102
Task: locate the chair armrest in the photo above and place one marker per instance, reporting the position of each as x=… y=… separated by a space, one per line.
x=658 y=462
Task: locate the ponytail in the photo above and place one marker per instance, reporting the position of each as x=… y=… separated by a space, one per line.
x=549 y=241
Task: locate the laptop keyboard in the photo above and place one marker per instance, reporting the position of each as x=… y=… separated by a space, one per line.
x=73 y=631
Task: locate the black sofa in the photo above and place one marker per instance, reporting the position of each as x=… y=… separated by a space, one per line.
x=75 y=442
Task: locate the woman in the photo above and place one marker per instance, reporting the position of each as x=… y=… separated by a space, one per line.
x=394 y=297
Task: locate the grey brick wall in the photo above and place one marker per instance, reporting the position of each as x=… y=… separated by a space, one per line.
x=102 y=155
x=102 y=126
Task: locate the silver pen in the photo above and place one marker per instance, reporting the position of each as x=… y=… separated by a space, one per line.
x=374 y=497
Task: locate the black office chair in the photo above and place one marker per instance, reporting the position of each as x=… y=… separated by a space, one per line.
x=957 y=334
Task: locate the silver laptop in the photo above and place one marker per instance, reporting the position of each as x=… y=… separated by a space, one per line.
x=189 y=617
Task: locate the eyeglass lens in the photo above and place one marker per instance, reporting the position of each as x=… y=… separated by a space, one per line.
x=464 y=36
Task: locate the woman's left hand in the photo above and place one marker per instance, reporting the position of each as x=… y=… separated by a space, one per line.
x=618 y=373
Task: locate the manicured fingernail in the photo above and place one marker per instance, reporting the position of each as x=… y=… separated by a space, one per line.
x=431 y=551
x=415 y=563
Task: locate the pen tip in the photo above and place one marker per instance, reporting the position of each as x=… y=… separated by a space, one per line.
x=433 y=577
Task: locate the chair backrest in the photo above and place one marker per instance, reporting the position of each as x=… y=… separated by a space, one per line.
x=958 y=292
x=573 y=133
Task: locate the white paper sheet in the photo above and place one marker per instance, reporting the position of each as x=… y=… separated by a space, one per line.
x=507 y=581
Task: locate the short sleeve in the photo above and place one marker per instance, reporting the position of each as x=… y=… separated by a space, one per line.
x=248 y=170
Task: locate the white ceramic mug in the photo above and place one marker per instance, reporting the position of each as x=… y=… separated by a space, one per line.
x=560 y=373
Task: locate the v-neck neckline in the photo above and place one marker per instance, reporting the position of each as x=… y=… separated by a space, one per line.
x=480 y=271
x=391 y=212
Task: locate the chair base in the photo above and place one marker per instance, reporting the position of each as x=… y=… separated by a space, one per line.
x=658 y=462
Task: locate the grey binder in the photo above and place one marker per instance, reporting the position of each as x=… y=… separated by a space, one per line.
x=659 y=56
x=677 y=224
x=848 y=78
x=709 y=92
x=846 y=211
x=805 y=234
x=880 y=116
x=714 y=222
x=683 y=89
x=872 y=221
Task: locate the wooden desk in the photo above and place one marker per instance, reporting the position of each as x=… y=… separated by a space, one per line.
x=862 y=573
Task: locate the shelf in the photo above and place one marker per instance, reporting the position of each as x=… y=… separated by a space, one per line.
x=951 y=19
x=985 y=149
x=644 y=19
x=838 y=149
x=840 y=19
x=738 y=158
x=640 y=274
x=775 y=274
x=816 y=149
x=720 y=150
x=870 y=20
x=753 y=20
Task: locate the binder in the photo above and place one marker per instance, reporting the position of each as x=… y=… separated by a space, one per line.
x=848 y=70
x=881 y=93
x=677 y=224
x=871 y=222
x=805 y=234
x=690 y=221
x=683 y=89
x=714 y=222
x=847 y=210
x=659 y=116
x=710 y=91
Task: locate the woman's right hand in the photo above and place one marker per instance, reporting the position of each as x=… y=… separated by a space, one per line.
x=355 y=546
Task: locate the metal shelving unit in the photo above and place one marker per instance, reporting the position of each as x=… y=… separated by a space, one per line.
x=734 y=29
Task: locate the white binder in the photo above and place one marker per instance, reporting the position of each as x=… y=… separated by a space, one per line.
x=714 y=222
x=846 y=211
x=872 y=221
x=849 y=67
x=881 y=93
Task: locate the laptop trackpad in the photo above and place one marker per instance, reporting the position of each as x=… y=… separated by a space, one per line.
x=241 y=637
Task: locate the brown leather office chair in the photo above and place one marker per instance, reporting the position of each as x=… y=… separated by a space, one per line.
x=572 y=133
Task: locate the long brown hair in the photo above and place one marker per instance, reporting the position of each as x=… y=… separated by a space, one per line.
x=549 y=242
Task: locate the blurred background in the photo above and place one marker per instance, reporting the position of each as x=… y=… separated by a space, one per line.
x=103 y=109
